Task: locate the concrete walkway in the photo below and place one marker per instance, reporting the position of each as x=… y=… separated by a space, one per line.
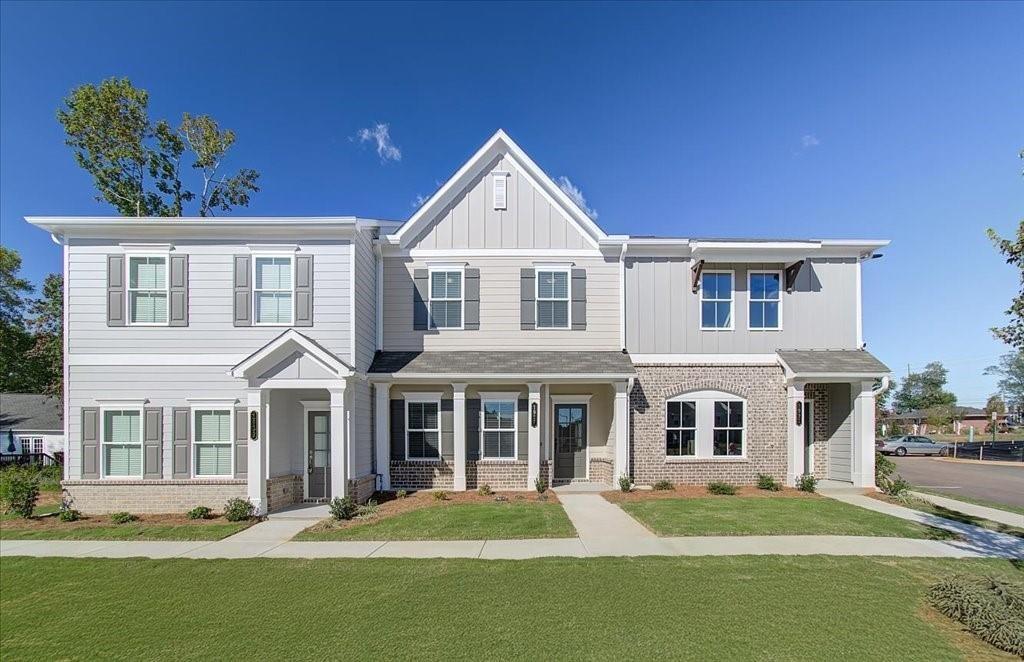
x=974 y=510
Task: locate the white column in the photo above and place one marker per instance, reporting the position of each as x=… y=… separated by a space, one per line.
x=256 y=469
x=382 y=432
x=339 y=443
x=621 y=423
x=459 y=421
x=794 y=433
x=864 y=434
x=533 y=435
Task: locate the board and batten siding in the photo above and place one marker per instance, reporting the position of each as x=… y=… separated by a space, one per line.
x=663 y=313
x=840 y=432
x=365 y=305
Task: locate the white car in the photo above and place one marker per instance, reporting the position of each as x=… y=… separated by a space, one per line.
x=911 y=445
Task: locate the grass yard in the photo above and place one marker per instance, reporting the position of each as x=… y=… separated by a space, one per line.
x=99 y=527
x=757 y=516
x=723 y=608
x=1010 y=508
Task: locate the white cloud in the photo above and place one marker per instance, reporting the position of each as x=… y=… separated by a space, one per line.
x=809 y=140
x=418 y=201
x=380 y=134
x=576 y=194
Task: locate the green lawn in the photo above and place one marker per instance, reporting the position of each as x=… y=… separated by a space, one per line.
x=755 y=516
x=711 y=608
x=131 y=531
x=978 y=502
x=957 y=516
x=460 y=521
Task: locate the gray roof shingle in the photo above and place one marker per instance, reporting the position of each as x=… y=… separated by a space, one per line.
x=840 y=361
x=30 y=411
x=503 y=363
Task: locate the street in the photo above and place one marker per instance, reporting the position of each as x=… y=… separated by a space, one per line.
x=993 y=482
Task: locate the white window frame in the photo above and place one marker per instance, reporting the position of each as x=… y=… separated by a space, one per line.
x=431 y=298
x=704 y=438
x=500 y=397
x=495 y=176
x=255 y=291
x=128 y=289
x=537 y=298
x=34 y=441
x=420 y=398
x=230 y=409
x=751 y=299
x=742 y=429
x=696 y=425
x=104 y=443
x=731 y=300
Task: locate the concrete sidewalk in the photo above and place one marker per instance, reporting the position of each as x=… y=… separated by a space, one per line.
x=974 y=510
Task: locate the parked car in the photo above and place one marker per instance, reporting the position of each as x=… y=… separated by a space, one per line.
x=911 y=445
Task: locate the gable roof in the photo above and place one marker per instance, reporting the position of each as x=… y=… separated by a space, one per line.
x=285 y=346
x=30 y=411
x=498 y=144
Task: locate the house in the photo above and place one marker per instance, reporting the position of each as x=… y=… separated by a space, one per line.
x=30 y=424
x=961 y=418
x=498 y=336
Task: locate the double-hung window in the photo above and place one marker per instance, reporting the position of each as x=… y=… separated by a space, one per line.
x=147 y=289
x=122 y=443
x=422 y=429
x=213 y=442
x=681 y=428
x=728 y=430
x=274 y=289
x=765 y=299
x=498 y=431
x=552 y=298
x=716 y=292
x=445 y=299
x=705 y=425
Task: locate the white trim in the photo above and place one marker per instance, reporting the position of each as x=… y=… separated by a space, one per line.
x=227 y=360
x=230 y=409
x=146 y=248
x=704 y=438
x=499 y=176
x=423 y=398
x=537 y=299
x=332 y=362
x=255 y=292
x=512 y=397
x=751 y=299
x=378 y=258
x=128 y=289
x=570 y=400
x=859 y=312
x=461 y=270
x=681 y=428
x=523 y=253
x=352 y=307
x=622 y=295
x=552 y=266
x=325 y=405
x=135 y=403
x=215 y=403
x=498 y=378
x=66 y=376
x=732 y=301
x=122 y=405
x=259 y=250
x=707 y=359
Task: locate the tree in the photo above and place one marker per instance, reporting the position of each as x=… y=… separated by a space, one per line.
x=1013 y=333
x=1011 y=384
x=136 y=165
x=18 y=371
x=924 y=390
x=48 y=331
x=995 y=405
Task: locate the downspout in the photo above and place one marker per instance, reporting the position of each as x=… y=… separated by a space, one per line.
x=622 y=296
x=61 y=241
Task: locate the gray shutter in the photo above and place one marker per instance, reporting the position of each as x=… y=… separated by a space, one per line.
x=472 y=428
x=527 y=299
x=471 y=299
x=152 y=442
x=523 y=428
x=181 y=442
x=115 y=291
x=241 y=443
x=179 y=291
x=398 y=430
x=304 y=290
x=420 y=295
x=579 y=299
x=447 y=415
x=243 y=291
x=90 y=442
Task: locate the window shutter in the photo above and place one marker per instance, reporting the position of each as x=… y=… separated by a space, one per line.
x=179 y=291
x=241 y=447
x=527 y=299
x=501 y=191
x=579 y=299
x=243 y=291
x=152 y=442
x=304 y=290
x=447 y=422
x=115 y=291
x=398 y=429
x=420 y=296
x=90 y=442
x=523 y=428
x=472 y=428
x=471 y=298
x=181 y=442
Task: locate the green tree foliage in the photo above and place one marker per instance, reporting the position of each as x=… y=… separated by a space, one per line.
x=15 y=340
x=1013 y=333
x=48 y=331
x=924 y=390
x=29 y=363
x=995 y=405
x=1011 y=378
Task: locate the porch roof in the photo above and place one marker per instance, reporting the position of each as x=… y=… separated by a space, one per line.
x=837 y=363
x=605 y=365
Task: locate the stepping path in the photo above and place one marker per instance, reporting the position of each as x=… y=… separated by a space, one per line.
x=974 y=510
x=606 y=530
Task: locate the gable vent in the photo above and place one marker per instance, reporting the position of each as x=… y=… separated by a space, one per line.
x=500 y=190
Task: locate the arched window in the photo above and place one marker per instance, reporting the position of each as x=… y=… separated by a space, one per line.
x=705 y=424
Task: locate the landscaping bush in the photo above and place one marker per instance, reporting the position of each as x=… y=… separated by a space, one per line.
x=440 y=495
x=540 y=485
x=239 y=510
x=664 y=485
x=368 y=509
x=896 y=486
x=199 y=512
x=50 y=477
x=484 y=489
x=19 y=490
x=991 y=608
x=122 y=518
x=625 y=484
x=766 y=482
x=69 y=515
x=884 y=467
x=719 y=487
x=401 y=494
x=343 y=508
x=806 y=483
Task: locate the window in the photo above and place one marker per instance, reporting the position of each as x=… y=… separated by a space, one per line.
x=213 y=442
x=553 y=299
x=122 y=443
x=728 y=430
x=500 y=190
x=422 y=430
x=273 y=289
x=32 y=445
x=498 y=431
x=681 y=428
x=446 y=299
x=764 y=300
x=147 y=289
x=716 y=300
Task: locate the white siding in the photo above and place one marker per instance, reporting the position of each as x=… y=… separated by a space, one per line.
x=365 y=306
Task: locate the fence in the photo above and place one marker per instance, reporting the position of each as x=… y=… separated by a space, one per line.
x=1006 y=451
x=40 y=459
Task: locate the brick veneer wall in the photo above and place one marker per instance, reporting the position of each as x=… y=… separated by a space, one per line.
x=97 y=497
x=362 y=488
x=601 y=470
x=821 y=410
x=504 y=475
x=284 y=491
x=499 y=475
x=763 y=387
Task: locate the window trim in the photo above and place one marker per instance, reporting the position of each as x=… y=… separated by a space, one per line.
x=742 y=429
x=751 y=299
x=420 y=398
x=462 y=297
x=704 y=438
x=255 y=291
x=731 y=300
x=537 y=270
x=495 y=176
x=23 y=440
x=512 y=397
x=681 y=428
x=230 y=409
x=103 y=440
x=128 y=289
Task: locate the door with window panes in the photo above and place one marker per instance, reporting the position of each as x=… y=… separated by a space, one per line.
x=318 y=455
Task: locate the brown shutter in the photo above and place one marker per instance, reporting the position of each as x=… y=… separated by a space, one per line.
x=304 y=290
x=243 y=291
x=178 y=309
x=115 y=291
x=90 y=442
x=181 y=442
x=152 y=442
x=241 y=447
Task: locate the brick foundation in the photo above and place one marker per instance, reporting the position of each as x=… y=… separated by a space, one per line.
x=284 y=491
x=98 y=497
x=362 y=488
x=601 y=470
x=499 y=475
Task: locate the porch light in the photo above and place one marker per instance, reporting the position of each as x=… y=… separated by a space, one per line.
x=533 y=414
x=254 y=425
x=799 y=413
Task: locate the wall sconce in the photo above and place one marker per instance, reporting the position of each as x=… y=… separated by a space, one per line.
x=799 y=413
x=254 y=425
x=533 y=414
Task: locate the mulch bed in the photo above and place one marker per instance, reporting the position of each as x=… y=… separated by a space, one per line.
x=700 y=491
x=52 y=522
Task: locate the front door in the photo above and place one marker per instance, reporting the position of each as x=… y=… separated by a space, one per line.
x=570 y=441
x=318 y=455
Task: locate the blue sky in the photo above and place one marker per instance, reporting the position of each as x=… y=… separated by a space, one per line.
x=898 y=121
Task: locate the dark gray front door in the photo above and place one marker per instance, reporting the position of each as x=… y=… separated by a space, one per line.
x=570 y=441
x=318 y=455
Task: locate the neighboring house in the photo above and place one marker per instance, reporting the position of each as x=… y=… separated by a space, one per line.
x=30 y=424
x=916 y=420
x=498 y=336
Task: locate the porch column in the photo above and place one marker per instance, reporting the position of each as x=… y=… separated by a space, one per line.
x=339 y=443
x=621 y=418
x=794 y=433
x=864 y=434
x=533 y=435
x=382 y=432
x=459 y=421
x=256 y=469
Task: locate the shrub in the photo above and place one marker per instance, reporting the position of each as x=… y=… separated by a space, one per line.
x=884 y=467
x=19 y=490
x=368 y=509
x=440 y=495
x=69 y=515
x=122 y=518
x=991 y=608
x=625 y=484
x=239 y=510
x=484 y=489
x=50 y=477
x=664 y=485
x=896 y=486
x=542 y=497
x=343 y=508
x=806 y=483
x=719 y=487
x=401 y=494
x=540 y=485
x=199 y=512
x=766 y=482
